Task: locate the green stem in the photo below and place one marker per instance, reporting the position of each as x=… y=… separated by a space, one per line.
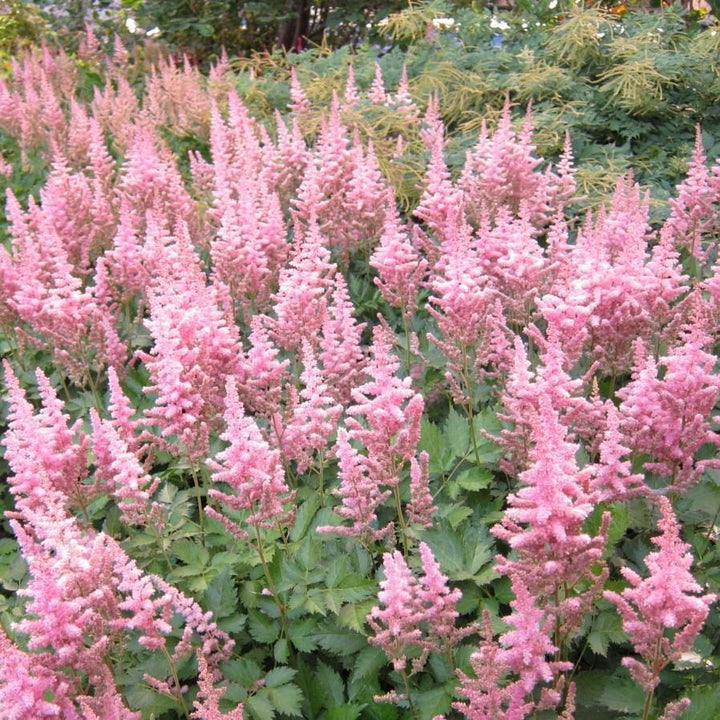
x=201 y=513
x=406 y=683
x=408 y=365
x=401 y=519
x=176 y=680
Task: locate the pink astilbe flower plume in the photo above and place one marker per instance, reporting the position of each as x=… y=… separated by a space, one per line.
x=441 y=204
x=527 y=646
x=543 y=525
x=396 y=620
x=300 y=103
x=262 y=373
x=252 y=470
x=613 y=477
x=502 y=171
x=195 y=349
x=341 y=352
x=29 y=689
x=377 y=94
x=420 y=508
x=390 y=411
x=46 y=453
x=694 y=211
x=209 y=707
x=669 y=599
x=359 y=492
x=301 y=302
x=313 y=420
x=120 y=471
x=489 y=695
x=400 y=266
x=669 y=417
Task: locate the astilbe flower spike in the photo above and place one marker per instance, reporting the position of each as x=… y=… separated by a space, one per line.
x=391 y=411
x=341 y=352
x=489 y=695
x=669 y=599
x=359 y=492
x=45 y=452
x=313 y=419
x=669 y=418
x=543 y=525
x=209 y=707
x=401 y=268
x=249 y=467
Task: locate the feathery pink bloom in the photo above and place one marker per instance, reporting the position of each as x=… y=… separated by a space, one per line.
x=420 y=508
x=301 y=303
x=613 y=477
x=396 y=619
x=694 y=211
x=195 y=349
x=489 y=695
x=45 y=452
x=359 y=492
x=313 y=420
x=251 y=469
x=122 y=474
x=390 y=410
x=300 y=102
x=401 y=268
x=669 y=418
x=30 y=689
x=209 y=707
x=341 y=353
x=543 y=523
x=527 y=646
x=377 y=94
x=668 y=599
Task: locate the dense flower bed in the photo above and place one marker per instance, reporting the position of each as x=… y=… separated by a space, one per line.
x=275 y=447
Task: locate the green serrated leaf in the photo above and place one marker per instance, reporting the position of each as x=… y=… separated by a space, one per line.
x=260 y=706
x=191 y=553
x=281 y=651
x=474 y=479
x=606 y=628
x=262 y=628
x=221 y=595
x=332 y=684
x=287 y=699
x=279 y=676
x=302 y=634
x=457 y=433
x=432 y=442
x=304 y=517
x=344 y=712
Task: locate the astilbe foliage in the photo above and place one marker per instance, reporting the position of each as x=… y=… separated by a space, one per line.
x=669 y=599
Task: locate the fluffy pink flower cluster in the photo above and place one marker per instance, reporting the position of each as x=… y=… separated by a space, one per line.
x=415 y=616
x=663 y=613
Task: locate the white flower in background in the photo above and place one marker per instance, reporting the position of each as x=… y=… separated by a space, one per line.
x=552 y=4
x=443 y=22
x=131 y=25
x=498 y=24
x=153 y=32
x=384 y=22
